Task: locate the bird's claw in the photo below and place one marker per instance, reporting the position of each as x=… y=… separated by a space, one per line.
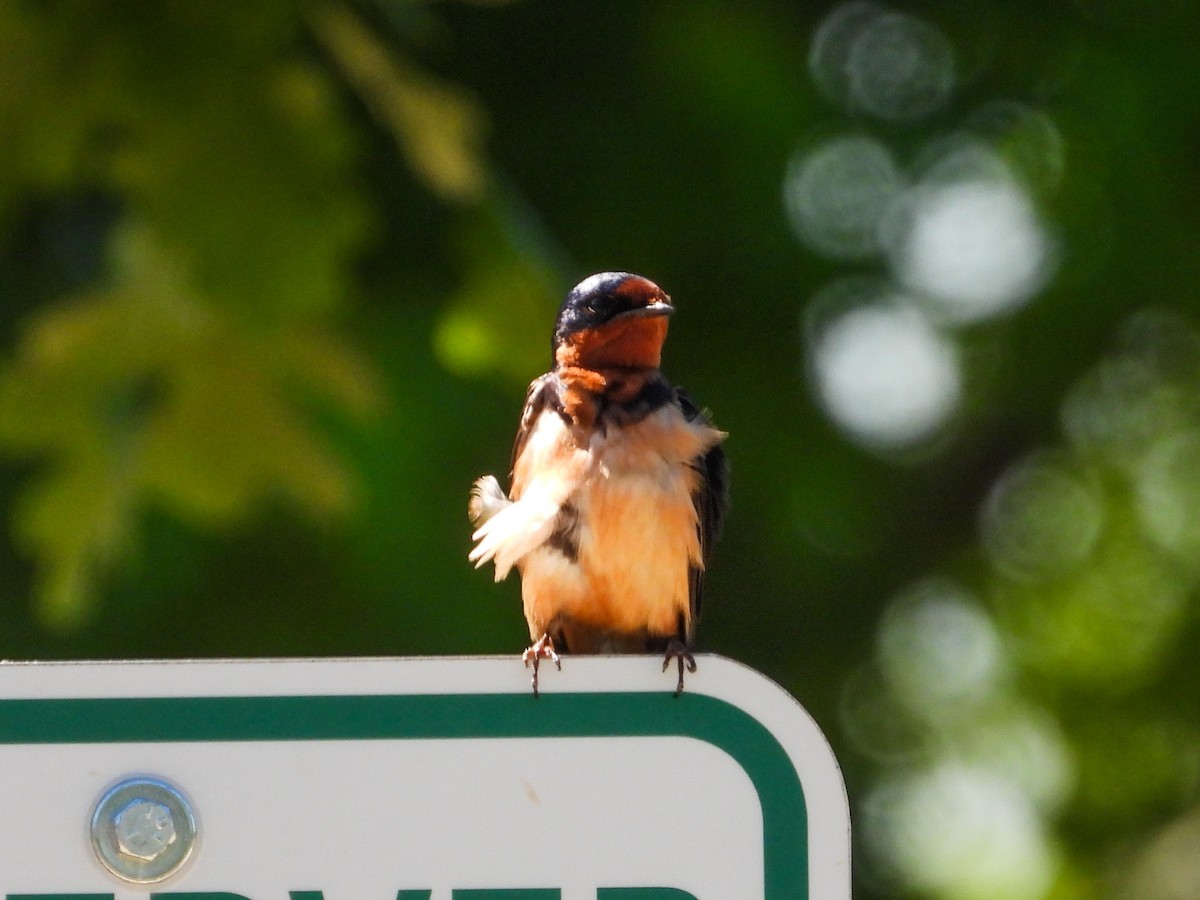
x=678 y=652
x=542 y=648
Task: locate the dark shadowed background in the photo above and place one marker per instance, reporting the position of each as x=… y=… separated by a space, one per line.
x=274 y=276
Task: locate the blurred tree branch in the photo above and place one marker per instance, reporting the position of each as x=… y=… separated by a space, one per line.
x=177 y=376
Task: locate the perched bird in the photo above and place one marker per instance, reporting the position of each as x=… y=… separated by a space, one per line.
x=618 y=487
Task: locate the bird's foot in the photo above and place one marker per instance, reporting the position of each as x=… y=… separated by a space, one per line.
x=677 y=650
x=542 y=648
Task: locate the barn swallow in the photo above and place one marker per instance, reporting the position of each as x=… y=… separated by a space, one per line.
x=618 y=487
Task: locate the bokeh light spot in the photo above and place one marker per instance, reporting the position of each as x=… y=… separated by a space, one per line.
x=886 y=374
x=1146 y=390
x=959 y=831
x=901 y=68
x=829 y=55
x=973 y=248
x=1041 y=519
x=836 y=195
x=1168 y=493
x=893 y=66
x=938 y=648
x=1027 y=747
x=1026 y=139
x=1118 y=409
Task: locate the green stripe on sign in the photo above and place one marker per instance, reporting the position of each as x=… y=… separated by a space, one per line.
x=449 y=717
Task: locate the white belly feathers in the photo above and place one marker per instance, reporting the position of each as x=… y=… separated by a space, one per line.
x=637 y=529
x=629 y=493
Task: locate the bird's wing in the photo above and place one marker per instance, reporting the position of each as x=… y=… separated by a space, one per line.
x=711 y=498
x=541 y=392
x=511 y=526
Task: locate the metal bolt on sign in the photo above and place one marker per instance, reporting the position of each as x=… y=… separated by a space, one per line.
x=143 y=830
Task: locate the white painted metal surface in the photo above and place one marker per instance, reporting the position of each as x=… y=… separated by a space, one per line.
x=360 y=779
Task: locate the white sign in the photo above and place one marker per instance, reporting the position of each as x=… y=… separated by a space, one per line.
x=414 y=779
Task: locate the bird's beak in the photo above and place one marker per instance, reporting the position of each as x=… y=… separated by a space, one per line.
x=657 y=308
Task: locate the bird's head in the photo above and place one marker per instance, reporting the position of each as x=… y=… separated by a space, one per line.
x=613 y=319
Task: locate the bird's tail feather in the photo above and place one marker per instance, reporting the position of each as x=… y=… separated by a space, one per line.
x=487 y=499
x=506 y=531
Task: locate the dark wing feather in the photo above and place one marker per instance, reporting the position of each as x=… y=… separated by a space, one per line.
x=543 y=391
x=711 y=499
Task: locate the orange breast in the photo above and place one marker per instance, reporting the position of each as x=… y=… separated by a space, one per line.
x=637 y=531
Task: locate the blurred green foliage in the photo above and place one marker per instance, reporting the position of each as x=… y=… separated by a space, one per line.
x=273 y=277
